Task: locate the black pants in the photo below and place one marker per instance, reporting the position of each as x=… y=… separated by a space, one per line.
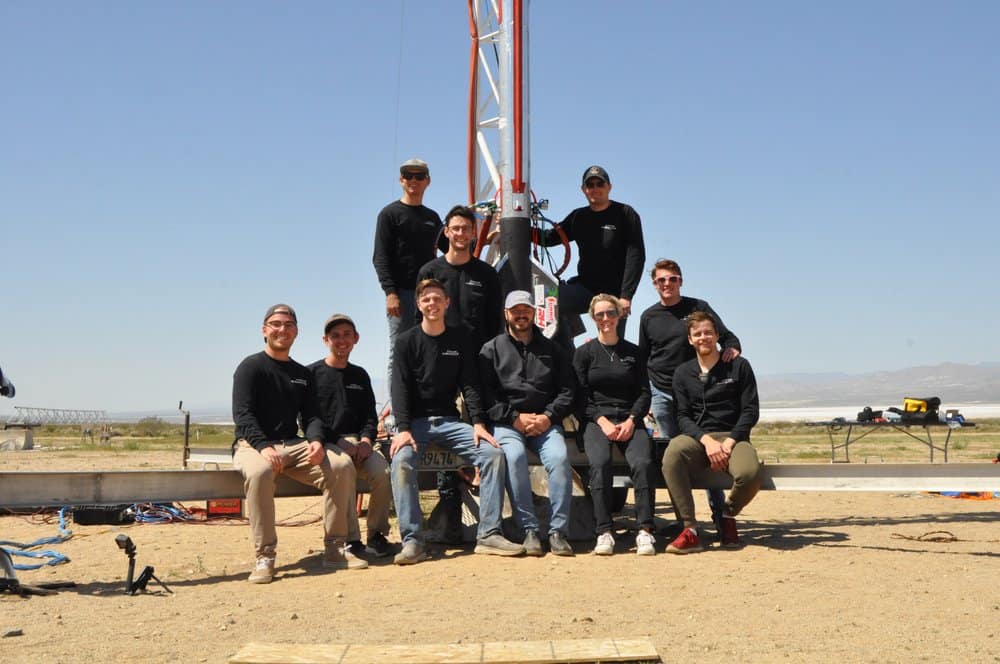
x=639 y=454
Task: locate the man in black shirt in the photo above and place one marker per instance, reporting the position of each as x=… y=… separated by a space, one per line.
x=406 y=233
x=472 y=285
x=529 y=385
x=347 y=405
x=608 y=237
x=717 y=406
x=663 y=338
x=272 y=393
x=433 y=363
x=473 y=288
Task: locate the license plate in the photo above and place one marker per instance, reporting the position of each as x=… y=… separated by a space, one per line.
x=439 y=459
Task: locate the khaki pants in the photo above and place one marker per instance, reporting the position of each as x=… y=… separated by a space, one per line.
x=334 y=476
x=686 y=459
x=375 y=470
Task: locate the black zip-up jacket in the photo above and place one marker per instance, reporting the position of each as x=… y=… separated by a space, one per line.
x=428 y=373
x=269 y=398
x=405 y=237
x=536 y=378
x=613 y=381
x=724 y=400
x=346 y=401
x=663 y=338
x=474 y=290
x=611 y=247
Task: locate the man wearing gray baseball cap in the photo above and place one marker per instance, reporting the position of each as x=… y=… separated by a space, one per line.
x=528 y=385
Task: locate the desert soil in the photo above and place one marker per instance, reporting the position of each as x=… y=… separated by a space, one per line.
x=823 y=577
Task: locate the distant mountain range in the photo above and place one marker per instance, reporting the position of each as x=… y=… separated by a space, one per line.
x=953 y=383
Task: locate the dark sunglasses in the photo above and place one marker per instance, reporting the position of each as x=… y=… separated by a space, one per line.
x=419 y=177
x=601 y=315
x=672 y=279
x=594 y=184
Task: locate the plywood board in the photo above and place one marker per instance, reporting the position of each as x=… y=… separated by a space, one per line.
x=507 y=652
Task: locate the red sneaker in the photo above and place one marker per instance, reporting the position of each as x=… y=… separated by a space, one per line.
x=686 y=542
x=730 y=538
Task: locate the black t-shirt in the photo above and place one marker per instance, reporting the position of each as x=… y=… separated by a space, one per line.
x=663 y=338
x=474 y=290
x=428 y=373
x=346 y=401
x=611 y=247
x=405 y=237
x=269 y=397
x=613 y=380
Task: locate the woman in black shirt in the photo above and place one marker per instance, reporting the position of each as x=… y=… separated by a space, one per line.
x=614 y=386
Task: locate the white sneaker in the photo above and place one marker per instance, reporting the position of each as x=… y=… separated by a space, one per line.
x=645 y=543
x=605 y=544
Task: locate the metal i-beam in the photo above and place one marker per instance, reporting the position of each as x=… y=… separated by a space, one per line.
x=30 y=489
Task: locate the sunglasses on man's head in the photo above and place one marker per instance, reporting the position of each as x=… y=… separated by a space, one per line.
x=419 y=177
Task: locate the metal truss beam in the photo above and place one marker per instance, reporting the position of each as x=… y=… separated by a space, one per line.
x=29 y=416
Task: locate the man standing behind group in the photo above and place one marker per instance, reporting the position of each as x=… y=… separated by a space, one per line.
x=271 y=394
x=717 y=406
x=433 y=363
x=472 y=285
x=405 y=235
x=528 y=383
x=608 y=237
x=347 y=405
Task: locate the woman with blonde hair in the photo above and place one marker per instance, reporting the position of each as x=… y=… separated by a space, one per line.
x=614 y=388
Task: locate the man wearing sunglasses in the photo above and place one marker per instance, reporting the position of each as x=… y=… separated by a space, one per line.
x=663 y=338
x=608 y=237
x=272 y=395
x=406 y=233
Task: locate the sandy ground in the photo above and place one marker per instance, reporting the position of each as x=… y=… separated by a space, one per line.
x=823 y=577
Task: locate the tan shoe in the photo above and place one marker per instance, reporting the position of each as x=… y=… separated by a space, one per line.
x=339 y=556
x=263 y=571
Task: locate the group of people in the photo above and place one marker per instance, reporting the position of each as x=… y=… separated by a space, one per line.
x=471 y=373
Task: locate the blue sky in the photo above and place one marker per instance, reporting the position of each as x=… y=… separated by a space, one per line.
x=827 y=174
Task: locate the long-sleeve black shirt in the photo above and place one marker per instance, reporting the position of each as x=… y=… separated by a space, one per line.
x=405 y=237
x=727 y=400
x=474 y=290
x=346 y=401
x=610 y=244
x=536 y=377
x=663 y=338
x=428 y=373
x=613 y=380
x=270 y=397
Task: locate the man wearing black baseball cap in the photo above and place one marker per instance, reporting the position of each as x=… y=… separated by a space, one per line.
x=608 y=237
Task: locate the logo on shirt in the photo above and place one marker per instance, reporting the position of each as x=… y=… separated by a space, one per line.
x=353 y=386
x=449 y=353
x=609 y=227
x=726 y=381
x=300 y=381
x=473 y=282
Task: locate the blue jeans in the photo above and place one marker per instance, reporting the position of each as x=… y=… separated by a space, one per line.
x=451 y=434
x=406 y=320
x=551 y=449
x=662 y=408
